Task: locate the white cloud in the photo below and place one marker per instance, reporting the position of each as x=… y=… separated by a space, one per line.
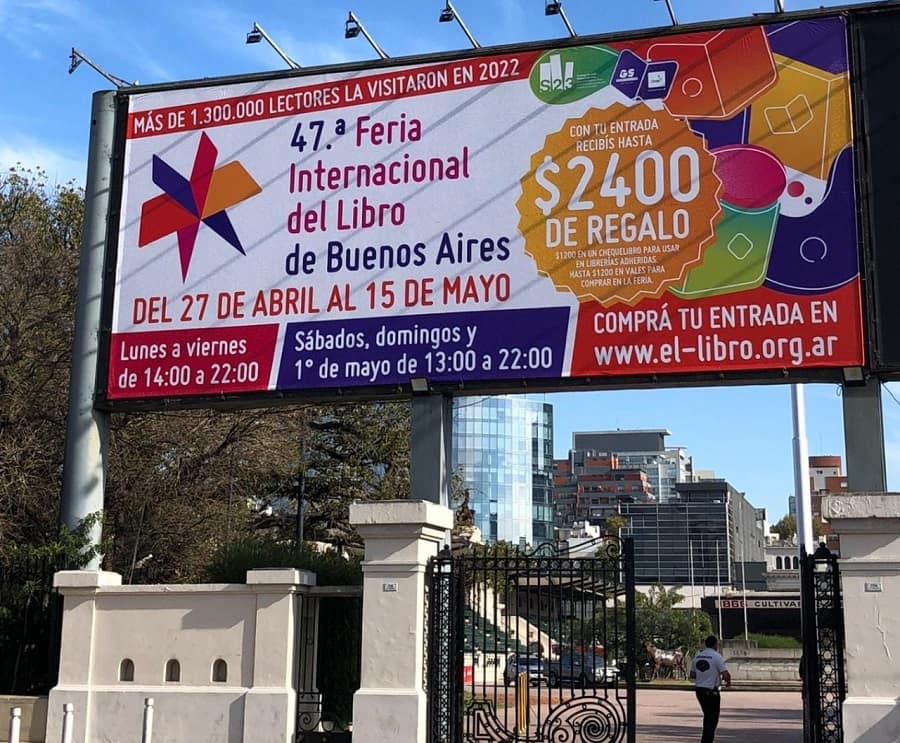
x=25 y=152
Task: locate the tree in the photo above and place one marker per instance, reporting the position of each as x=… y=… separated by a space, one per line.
x=786 y=528
x=179 y=483
x=615 y=524
x=40 y=229
x=659 y=621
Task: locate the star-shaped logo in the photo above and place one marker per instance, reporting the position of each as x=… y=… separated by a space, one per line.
x=187 y=203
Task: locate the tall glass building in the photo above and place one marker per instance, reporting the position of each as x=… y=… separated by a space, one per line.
x=503 y=450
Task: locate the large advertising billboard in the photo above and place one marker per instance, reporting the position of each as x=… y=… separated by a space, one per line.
x=670 y=205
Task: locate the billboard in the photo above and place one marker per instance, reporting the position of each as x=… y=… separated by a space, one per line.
x=659 y=206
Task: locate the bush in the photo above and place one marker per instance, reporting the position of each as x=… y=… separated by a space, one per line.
x=231 y=563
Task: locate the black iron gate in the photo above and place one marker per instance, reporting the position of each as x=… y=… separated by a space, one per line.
x=822 y=666
x=536 y=646
x=328 y=662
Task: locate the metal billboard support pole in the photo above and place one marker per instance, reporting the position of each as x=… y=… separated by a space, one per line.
x=430 y=448
x=87 y=428
x=801 y=470
x=864 y=438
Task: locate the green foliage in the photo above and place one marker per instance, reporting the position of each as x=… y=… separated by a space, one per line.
x=658 y=621
x=615 y=523
x=68 y=547
x=232 y=561
x=30 y=608
x=780 y=642
x=786 y=527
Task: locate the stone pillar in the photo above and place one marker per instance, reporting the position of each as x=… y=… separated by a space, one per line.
x=869 y=528
x=79 y=589
x=271 y=703
x=400 y=537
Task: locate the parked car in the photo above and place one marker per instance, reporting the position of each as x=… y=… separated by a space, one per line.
x=584 y=670
x=530 y=664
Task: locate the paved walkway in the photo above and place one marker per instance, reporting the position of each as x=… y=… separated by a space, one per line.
x=747 y=717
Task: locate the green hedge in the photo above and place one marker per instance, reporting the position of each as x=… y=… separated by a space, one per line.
x=780 y=642
x=232 y=561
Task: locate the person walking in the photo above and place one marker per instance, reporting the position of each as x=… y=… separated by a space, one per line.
x=708 y=670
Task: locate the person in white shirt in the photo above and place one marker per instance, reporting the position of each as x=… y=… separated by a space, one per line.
x=708 y=670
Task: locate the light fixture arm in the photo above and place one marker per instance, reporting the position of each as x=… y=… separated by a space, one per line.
x=465 y=29
x=779 y=6
x=362 y=29
x=278 y=50
x=76 y=58
x=672 y=12
x=555 y=7
x=565 y=19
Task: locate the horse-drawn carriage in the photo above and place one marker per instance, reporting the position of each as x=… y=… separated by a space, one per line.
x=662 y=664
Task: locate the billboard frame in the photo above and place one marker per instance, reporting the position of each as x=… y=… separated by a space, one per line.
x=883 y=370
x=521 y=386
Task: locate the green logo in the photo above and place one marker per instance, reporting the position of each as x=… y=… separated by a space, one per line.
x=567 y=75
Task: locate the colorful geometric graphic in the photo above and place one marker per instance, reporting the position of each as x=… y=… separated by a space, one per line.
x=802 y=119
x=739 y=257
x=718 y=74
x=187 y=203
x=817 y=251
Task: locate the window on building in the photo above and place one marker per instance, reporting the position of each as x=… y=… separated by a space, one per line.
x=173 y=671
x=220 y=671
x=779 y=564
x=796 y=563
x=126 y=670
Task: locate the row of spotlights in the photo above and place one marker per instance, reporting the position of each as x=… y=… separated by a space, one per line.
x=353 y=28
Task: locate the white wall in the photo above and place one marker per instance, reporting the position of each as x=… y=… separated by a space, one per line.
x=869 y=527
x=251 y=627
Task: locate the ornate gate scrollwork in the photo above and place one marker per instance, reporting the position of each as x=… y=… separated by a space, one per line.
x=532 y=646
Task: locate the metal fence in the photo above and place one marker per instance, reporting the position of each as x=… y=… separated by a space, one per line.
x=329 y=645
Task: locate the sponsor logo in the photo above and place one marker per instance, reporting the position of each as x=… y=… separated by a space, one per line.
x=567 y=75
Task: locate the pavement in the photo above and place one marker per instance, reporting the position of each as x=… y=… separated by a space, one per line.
x=669 y=716
x=672 y=715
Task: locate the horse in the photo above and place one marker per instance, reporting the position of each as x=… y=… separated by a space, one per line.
x=665 y=663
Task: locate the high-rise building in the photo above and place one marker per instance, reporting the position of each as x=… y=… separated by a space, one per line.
x=503 y=451
x=666 y=466
x=588 y=488
x=696 y=537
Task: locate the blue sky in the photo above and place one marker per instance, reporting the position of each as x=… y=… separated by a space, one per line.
x=744 y=433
